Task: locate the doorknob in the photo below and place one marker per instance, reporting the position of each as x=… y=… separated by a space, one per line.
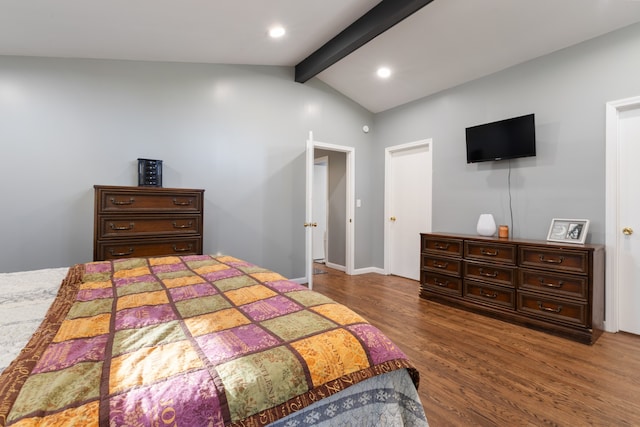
x=627 y=231
x=393 y=218
x=310 y=224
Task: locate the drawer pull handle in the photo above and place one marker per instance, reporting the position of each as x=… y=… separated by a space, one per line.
x=441 y=284
x=178 y=203
x=549 y=284
x=441 y=246
x=114 y=253
x=121 y=228
x=122 y=202
x=549 y=309
x=494 y=274
x=558 y=260
x=188 y=225
x=488 y=295
x=187 y=249
x=483 y=251
x=437 y=264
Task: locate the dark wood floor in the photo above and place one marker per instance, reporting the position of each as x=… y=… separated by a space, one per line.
x=478 y=371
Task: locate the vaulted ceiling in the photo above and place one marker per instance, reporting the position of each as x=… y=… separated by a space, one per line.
x=440 y=43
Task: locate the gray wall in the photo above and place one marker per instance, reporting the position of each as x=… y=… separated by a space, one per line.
x=567 y=91
x=238 y=132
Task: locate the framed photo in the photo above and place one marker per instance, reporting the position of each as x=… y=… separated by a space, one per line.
x=568 y=230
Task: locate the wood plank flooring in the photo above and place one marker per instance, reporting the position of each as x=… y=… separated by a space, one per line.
x=478 y=371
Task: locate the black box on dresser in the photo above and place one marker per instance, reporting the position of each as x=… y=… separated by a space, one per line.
x=554 y=287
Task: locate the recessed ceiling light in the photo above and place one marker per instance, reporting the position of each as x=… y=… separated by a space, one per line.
x=277 y=32
x=384 y=72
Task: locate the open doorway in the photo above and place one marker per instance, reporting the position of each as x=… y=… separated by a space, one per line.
x=340 y=204
x=334 y=201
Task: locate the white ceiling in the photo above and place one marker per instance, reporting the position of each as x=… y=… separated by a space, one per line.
x=446 y=43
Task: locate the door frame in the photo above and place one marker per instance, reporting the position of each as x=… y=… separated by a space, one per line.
x=612 y=213
x=388 y=154
x=350 y=153
x=323 y=160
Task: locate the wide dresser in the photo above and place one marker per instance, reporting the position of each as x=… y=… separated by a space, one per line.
x=146 y=221
x=554 y=287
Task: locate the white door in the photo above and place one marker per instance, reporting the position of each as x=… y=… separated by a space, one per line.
x=407 y=205
x=320 y=201
x=629 y=221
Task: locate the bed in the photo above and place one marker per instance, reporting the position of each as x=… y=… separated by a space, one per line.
x=193 y=341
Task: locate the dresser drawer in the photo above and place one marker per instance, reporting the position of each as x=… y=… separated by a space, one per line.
x=148 y=201
x=575 y=261
x=440 y=283
x=490 y=294
x=556 y=309
x=494 y=273
x=557 y=284
x=442 y=264
x=442 y=245
x=113 y=226
x=144 y=248
x=493 y=252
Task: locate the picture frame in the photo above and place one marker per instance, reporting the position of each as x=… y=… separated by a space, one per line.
x=568 y=230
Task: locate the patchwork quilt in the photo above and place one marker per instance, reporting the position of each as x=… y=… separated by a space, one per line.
x=193 y=341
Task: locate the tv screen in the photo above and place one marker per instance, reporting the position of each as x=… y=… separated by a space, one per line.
x=505 y=139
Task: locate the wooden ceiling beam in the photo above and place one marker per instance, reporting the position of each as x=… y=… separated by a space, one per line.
x=376 y=21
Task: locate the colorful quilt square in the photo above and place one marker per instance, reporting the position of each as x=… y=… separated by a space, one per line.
x=130 y=264
x=339 y=314
x=144 y=299
x=91 y=294
x=174 y=274
x=285 y=286
x=97 y=284
x=331 y=354
x=128 y=280
x=204 y=268
x=148 y=365
x=270 y=307
x=193 y=291
x=259 y=381
x=226 y=344
x=97 y=271
x=217 y=275
x=189 y=400
x=297 y=325
x=268 y=276
x=178 y=282
x=218 y=321
x=90 y=308
x=83 y=328
x=139 y=317
x=309 y=298
x=240 y=281
x=139 y=287
x=381 y=348
x=249 y=294
x=129 y=340
x=168 y=268
x=190 y=307
x=164 y=260
x=88 y=413
x=61 y=387
x=67 y=353
x=132 y=272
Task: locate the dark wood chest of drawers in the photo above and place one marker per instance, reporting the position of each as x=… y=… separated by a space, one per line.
x=146 y=221
x=558 y=288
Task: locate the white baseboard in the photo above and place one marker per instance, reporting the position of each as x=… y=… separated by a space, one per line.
x=336 y=266
x=369 y=270
x=300 y=280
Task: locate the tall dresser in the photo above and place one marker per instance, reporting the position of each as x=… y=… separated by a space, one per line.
x=558 y=288
x=146 y=221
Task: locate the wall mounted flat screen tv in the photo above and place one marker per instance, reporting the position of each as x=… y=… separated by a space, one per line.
x=504 y=139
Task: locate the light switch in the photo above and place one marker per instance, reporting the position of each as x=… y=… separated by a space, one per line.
x=358 y=203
